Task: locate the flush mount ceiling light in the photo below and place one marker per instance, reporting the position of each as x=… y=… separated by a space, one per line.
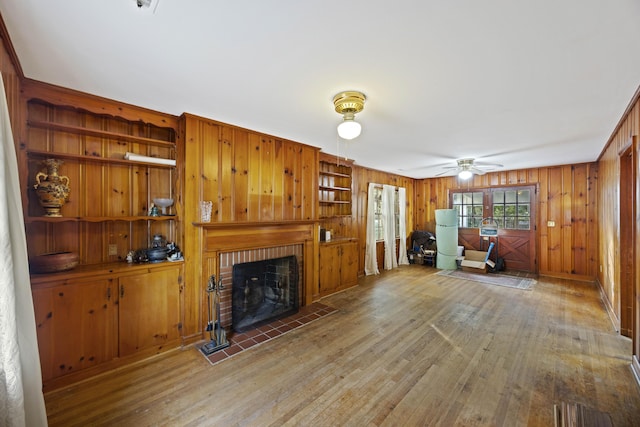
x=349 y=103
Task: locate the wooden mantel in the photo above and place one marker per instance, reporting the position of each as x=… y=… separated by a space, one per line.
x=224 y=237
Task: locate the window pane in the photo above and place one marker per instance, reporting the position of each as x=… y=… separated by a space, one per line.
x=477 y=210
x=477 y=199
x=523 y=224
x=498 y=197
x=457 y=198
x=467 y=198
x=510 y=196
x=500 y=222
x=524 y=196
x=523 y=210
x=498 y=211
x=510 y=223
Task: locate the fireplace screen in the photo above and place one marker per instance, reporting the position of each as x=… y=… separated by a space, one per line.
x=263 y=291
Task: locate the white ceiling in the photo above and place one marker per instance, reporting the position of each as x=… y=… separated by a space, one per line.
x=522 y=83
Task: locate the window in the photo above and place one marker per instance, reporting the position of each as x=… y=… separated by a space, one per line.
x=510 y=208
x=469 y=207
x=378 y=209
x=379 y=226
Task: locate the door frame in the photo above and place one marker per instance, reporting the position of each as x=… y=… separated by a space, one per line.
x=627 y=242
x=487 y=212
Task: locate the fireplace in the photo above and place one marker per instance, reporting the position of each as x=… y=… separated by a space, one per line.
x=263 y=291
x=226 y=244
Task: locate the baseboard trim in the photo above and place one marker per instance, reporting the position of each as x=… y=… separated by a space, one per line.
x=615 y=322
x=578 y=277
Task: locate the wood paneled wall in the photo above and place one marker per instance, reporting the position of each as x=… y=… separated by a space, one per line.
x=11 y=75
x=610 y=247
x=250 y=177
x=565 y=194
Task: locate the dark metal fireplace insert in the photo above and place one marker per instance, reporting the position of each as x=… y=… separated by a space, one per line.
x=263 y=291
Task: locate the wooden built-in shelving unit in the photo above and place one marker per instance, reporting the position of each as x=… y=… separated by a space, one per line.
x=334 y=187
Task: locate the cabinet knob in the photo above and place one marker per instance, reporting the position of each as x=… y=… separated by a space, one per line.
x=121 y=291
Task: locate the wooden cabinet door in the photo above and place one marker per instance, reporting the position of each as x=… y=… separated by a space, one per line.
x=149 y=310
x=76 y=326
x=329 y=269
x=348 y=265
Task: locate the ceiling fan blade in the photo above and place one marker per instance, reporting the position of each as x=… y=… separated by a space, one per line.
x=477 y=171
x=487 y=165
x=445 y=173
x=439 y=165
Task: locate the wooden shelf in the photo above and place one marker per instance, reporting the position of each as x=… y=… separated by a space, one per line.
x=95 y=159
x=33 y=219
x=336 y=202
x=324 y=187
x=336 y=174
x=107 y=268
x=334 y=188
x=99 y=133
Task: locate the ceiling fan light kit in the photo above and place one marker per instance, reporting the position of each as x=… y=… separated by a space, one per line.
x=465 y=174
x=349 y=103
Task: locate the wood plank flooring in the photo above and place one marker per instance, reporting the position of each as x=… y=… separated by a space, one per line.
x=406 y=348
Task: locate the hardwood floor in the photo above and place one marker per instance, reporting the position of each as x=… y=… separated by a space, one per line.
x=405 y=348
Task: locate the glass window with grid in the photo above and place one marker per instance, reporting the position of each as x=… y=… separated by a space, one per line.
x=512 y=209
x=378 y=223
x=470 y=208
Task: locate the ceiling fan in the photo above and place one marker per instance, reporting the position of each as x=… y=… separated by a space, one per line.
x=468 y=167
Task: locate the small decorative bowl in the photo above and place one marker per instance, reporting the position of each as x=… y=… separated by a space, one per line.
x=163 y=203
x=53 y=262
x=157 y=254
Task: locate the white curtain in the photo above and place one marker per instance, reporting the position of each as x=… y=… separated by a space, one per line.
x=370 y=261
x=402 y=200
x=389 y=221
x=21 y=399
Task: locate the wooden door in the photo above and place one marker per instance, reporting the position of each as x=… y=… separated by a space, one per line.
x=329 y=274
x=516 y=240
x=149 y=310
x=348 y=264
x=75 y=326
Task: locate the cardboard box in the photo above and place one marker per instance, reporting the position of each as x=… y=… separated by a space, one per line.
x=476 y=261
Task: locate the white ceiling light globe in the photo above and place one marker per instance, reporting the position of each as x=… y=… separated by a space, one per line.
x=465 y=174
x=349 y=129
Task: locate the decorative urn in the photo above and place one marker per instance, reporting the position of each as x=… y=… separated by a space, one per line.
x=52 y=189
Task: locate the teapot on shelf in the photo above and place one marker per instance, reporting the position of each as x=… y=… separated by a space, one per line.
x=158 y=241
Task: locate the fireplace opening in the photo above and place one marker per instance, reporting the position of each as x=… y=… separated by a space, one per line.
x=263 y=291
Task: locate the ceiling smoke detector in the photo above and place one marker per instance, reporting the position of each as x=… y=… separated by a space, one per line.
x=349 y=103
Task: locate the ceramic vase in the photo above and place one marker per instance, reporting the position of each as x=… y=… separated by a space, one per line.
x=52 y=189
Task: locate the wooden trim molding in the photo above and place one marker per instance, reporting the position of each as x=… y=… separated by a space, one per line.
x=615 y=321
x=8 y=45
x=634 y=99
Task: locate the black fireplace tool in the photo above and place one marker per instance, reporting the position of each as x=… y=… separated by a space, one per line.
x=216 y=332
